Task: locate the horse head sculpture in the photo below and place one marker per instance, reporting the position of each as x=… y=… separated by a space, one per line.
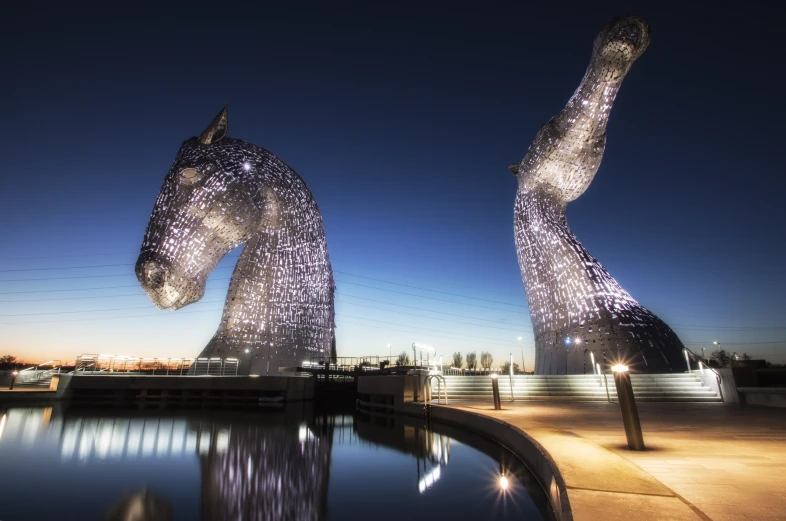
x=221 y=193
x=575 y=305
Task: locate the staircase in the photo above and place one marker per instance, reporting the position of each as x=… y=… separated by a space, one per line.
x=680 y=387
x=34 y=378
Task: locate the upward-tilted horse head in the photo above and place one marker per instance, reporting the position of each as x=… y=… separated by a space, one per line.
x=221 y=193
x=576 y=306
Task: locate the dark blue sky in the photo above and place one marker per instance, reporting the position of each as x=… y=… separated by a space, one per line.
x=402 y=119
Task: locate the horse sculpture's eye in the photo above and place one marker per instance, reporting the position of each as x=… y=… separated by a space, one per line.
x=189 y=176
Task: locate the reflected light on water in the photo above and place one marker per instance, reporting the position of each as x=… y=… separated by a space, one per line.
x=251 y=467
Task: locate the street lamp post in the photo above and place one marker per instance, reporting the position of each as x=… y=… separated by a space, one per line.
x=495 y=391
x=630 y=414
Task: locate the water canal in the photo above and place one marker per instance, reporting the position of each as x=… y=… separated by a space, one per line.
x=293 y=463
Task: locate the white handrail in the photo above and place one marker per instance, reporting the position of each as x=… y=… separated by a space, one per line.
x=441 y=381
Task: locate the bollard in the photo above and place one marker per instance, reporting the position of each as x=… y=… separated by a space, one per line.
x=630 y=414
x=495 y=390
x=13 y=380
x=687 y=358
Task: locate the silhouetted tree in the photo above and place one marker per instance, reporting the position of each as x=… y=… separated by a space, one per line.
x=403 y=359
x=472 y=360
x=486 y=360
x=458 y=360
x=721 y=357
x=506 y=368
x=8 y=362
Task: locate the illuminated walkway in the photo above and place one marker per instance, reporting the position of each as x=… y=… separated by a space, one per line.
x=704 y=461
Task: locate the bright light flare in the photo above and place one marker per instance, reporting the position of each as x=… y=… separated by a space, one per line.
x=619 y=368
x=503 y=482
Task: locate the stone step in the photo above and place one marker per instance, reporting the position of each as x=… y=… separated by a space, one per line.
x=678 y=387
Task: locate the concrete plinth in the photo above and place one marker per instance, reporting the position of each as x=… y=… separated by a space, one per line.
x=163 y=391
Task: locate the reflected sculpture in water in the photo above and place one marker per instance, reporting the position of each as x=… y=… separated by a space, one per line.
x=267 y=474
x=250 y=466
x=140 y=506
x=221 y=193
x=276 y=470
x=576 y=306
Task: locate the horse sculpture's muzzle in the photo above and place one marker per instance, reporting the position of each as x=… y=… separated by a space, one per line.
x=154 y=277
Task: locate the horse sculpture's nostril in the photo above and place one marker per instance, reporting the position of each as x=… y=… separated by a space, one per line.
x=629 y=32
x=154 y=275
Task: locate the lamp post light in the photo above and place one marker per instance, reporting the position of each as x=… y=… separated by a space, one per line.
x=523 y=364
x=715 y=343
x=630 y=414
x=495 y=391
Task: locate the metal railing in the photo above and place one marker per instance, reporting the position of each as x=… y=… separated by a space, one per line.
x=452 y=371
x=702 y=363
x=93 y=364
x=442 y=388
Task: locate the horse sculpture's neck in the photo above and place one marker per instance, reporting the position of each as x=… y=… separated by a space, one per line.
x=279 y=307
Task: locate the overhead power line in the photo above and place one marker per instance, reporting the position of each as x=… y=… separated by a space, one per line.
x=342 y=321
x=432 y=318
x=698 y=327
x=67 y=268
x=426 y=289
x=341 y=293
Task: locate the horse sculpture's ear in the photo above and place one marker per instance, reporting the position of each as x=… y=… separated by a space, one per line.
x=514 y=168
x=216 y=130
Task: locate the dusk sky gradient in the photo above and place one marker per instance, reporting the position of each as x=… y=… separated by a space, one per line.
x=402 y=121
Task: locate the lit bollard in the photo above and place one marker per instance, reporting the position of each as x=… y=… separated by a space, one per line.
x=13 y=380
x=630 y=414
x=495 y=390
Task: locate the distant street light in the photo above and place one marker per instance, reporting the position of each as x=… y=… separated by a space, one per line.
x=714 y=342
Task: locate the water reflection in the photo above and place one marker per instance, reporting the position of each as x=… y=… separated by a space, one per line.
x=431 y=449
x=254 y=466
x=140 y=506
x=265 y=473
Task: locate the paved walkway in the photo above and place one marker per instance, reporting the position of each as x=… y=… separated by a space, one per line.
x=703 y=461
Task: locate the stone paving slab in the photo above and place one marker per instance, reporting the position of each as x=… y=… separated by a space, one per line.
x=705 y=461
